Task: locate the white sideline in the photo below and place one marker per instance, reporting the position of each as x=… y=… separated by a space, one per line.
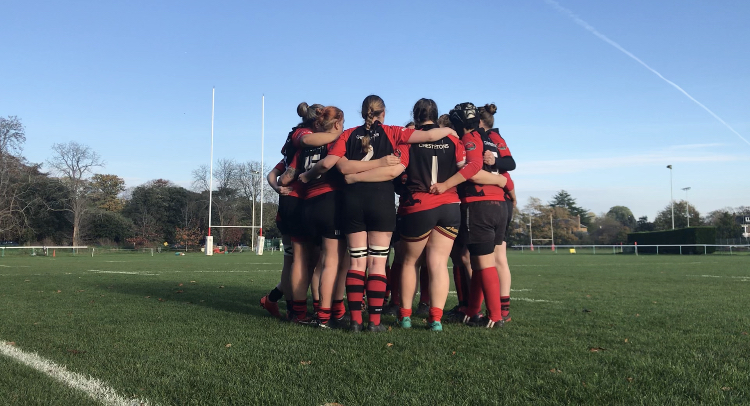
x=94 y=388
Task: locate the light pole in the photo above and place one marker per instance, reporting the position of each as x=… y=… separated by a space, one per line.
x=671 y=199
x=687 y=206
x=252 y=174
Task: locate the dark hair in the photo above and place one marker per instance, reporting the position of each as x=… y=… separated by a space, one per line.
x=424 y=110
x=445 y=121
x=308 y=114
x=486 y=114
x=410 y=124
x=372 y=107
x=327 y=117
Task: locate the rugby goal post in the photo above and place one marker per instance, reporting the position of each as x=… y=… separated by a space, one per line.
x=209 y=238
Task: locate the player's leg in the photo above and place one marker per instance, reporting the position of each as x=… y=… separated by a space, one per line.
x=438 y=251
x=355 y=276
x=503 y=271
x=378 y=243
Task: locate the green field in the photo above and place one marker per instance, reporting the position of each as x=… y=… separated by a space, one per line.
x=604 y=329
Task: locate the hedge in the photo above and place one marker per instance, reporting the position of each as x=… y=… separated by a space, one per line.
x=690 y=235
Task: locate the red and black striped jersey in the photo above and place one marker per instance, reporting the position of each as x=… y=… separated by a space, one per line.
x=475 y=143
x=383 y=142
x=327 y=182
x=291 y=151
x=429 y=163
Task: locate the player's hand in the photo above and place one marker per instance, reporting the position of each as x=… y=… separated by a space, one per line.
x=390 y=160
x=351 y=178
x=489 y=158
x=515 y=203
x=452 y=132
x=438 y=188
x=284 y=190
x=304 y=177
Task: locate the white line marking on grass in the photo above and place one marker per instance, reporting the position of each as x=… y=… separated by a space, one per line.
x=525 y=299
x=16 y=266
x=94 y=388
x=123 y=272
x=741 y=278
x=116 y=261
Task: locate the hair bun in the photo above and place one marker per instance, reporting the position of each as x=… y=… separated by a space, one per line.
x=302 y=109
x=490 y=108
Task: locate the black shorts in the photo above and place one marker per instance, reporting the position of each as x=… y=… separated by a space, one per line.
x=322 y=216
x=444 y=219
x=483 y=225
x=509 y=207
x=290 y=216
x=369 y=208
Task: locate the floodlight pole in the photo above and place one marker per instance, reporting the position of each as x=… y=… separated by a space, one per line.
x=687 y=206
x=671 y=199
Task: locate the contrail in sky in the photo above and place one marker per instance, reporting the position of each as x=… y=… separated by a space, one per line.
x=604 y=38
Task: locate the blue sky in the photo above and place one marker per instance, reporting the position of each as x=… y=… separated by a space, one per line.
x=133 y=81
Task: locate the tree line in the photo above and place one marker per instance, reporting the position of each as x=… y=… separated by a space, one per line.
x=570 y=223
x=68 y=201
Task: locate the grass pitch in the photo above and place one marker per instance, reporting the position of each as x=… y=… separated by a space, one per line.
x=614 y=329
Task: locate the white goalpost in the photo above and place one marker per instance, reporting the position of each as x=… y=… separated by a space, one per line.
x=209 y=238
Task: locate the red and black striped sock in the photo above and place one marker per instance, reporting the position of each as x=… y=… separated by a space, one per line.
x=475 y=294
x=338 y=310
x=424 y=284
x=436 y=314
x=395 y=282
x=299 y=309
x=403 y=313
x=324 y=314
x=491 y=290
x=316 y=305
x=375 y=297
x=355 y=290
x=505 y=305
x=275 y=295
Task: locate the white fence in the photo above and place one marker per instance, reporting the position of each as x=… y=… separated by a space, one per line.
x=681 y=249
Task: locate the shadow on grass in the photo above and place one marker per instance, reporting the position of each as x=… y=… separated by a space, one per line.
x=236 y=299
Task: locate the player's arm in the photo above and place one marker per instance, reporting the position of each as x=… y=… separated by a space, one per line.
x=472 y=167
x=319 y=139
x=273 y=181
x=419 y=136
x=513 y=197
x=380 y=174
x=505 y=163
x=347 y=167
x=485 y=178
x=321 y=167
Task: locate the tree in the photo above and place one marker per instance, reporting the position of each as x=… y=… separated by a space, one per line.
x=12 y=136
x=663 y=219
x=607 y=230
x=643 y=224
x=725 y=222
x=565 y=200
x=105 y=190
x=623 y=215
x=73 y=163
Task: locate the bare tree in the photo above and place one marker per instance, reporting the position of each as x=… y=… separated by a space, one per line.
x=74 y=163
x=13 y=184
x=12 y=136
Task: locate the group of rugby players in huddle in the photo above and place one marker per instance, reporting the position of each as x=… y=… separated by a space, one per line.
x=337 y=216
